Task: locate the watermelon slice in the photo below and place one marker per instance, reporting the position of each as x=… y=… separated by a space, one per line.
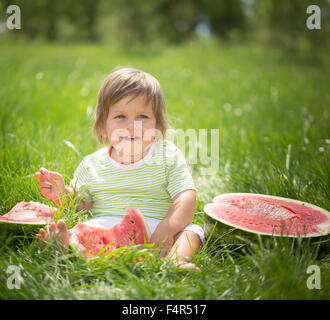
x=90 y=241
x=265 y=215
x=26 y=216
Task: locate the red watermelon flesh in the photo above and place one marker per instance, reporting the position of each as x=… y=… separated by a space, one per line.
x=91 y=240
x=270 y=215
x=28 y=213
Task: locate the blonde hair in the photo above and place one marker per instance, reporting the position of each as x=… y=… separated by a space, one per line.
x=129 y=82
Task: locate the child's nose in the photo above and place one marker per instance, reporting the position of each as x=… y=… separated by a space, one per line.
x=134 y=127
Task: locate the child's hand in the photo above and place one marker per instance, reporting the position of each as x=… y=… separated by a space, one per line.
x=162 y=236
x=52 y=185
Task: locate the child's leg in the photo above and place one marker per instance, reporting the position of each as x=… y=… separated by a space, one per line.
x=187 y=243
x=56 y=231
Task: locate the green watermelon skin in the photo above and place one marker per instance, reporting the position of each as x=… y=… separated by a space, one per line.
x=228 y=232
x=218 y=231
x=19 y=228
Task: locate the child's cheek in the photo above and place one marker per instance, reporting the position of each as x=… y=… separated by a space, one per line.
x=114 y=131
x=149 y=131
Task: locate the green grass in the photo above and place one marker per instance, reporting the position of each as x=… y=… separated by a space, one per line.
x=273 y=116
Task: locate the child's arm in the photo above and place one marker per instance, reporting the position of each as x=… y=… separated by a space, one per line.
x=52 y=186
x=178 y=216
x=83 y=205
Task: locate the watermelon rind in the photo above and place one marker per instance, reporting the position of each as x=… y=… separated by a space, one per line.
x=219 y=228
x=144 y=220
x=26 y=226
x=75 y=244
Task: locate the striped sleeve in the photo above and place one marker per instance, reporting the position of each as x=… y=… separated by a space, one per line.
x=81 y=180
x=179 y=176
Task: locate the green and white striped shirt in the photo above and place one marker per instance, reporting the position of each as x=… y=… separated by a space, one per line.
x=149 y=184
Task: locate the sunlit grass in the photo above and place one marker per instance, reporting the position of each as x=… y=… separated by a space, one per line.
x=273 y=118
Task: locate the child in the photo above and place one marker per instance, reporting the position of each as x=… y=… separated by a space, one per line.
x=137 y=167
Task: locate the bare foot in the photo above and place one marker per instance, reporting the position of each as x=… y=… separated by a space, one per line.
x=186 y=265
x=57 y=233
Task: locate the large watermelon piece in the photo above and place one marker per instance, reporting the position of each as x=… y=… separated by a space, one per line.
x=90 y=241
x=27 y=217
x=260 y=214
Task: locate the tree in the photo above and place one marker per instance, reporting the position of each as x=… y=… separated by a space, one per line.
x=283 y=23
x=224 y=16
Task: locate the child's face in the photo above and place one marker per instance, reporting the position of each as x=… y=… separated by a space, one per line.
x=130 y=126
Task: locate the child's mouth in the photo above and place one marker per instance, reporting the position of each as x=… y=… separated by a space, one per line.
x=131 y=138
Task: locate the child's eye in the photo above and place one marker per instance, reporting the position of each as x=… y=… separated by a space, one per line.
x=120 y=116
x=143 y=116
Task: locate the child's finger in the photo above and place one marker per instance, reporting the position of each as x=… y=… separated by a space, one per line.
x=39 y=176
x=45 y=184
x=45 y=173
x=43 y=181
x=55 y=175
x=44 y=170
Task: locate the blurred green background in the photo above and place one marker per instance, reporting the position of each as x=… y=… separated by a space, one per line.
x=251 y=69
x=279 y=23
